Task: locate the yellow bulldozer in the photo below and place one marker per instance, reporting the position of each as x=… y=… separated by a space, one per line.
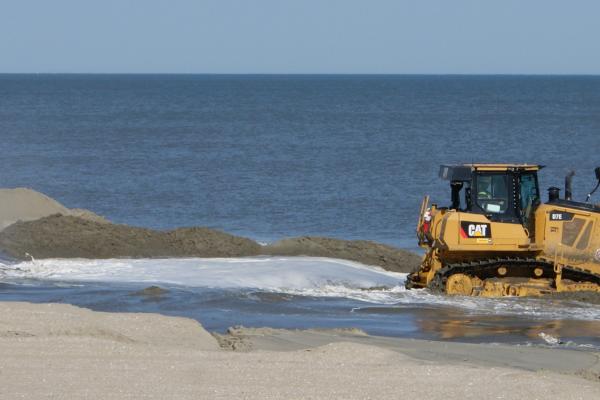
x=497 y=238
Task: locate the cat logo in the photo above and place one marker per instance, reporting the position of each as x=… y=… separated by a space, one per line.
x=475 y=230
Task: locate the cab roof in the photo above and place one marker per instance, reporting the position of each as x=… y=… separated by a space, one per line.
x=463 y=172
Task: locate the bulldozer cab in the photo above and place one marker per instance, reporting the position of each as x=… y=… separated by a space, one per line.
x=502 y=192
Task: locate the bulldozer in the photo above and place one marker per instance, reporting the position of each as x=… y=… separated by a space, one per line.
x=497 y=238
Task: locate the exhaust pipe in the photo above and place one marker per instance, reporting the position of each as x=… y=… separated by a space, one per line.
x=568 y=185
x=553 y=194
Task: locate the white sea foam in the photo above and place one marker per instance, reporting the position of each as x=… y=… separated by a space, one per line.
x=551 y=340
x=267 y=273
x=304 y=276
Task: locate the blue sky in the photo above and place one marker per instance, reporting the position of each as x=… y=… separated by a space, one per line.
x=308 y=36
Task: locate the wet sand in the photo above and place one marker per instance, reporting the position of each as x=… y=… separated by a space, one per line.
x=530 y=358
x=60 y=351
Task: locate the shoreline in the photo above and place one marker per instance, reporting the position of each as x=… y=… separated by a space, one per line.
x=572 y=361
x=65 y=351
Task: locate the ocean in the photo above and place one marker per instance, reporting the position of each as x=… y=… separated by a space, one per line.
x=276 y=156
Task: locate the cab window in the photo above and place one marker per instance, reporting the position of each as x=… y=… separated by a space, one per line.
x=492 y=193
x=529 y=191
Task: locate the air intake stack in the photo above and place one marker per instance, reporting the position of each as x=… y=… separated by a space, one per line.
x=568 y=185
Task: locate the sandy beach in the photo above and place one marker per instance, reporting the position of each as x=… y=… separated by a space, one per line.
x=52 y=351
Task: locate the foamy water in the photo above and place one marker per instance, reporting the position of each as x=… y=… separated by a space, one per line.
x=266 y=273
x=301 y=276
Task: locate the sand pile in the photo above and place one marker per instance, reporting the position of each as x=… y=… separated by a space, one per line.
x=60 y=236
x=363 y=251
x=48 y=321
x=47 y=229
x=23 y=204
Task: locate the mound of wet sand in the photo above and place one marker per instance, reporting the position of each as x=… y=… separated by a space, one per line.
x=363 y=251
x=59 y=236
x=22 y=204
x=150 y=292
x=32 y=223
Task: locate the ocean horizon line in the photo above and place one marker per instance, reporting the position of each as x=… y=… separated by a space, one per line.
x=308 y=74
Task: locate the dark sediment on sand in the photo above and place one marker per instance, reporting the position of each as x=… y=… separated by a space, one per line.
x=65 y=236
x=150 y=291
x=59 y=236
x=363 y=251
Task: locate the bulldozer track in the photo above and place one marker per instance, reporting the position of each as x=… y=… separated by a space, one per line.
x=486 y=268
